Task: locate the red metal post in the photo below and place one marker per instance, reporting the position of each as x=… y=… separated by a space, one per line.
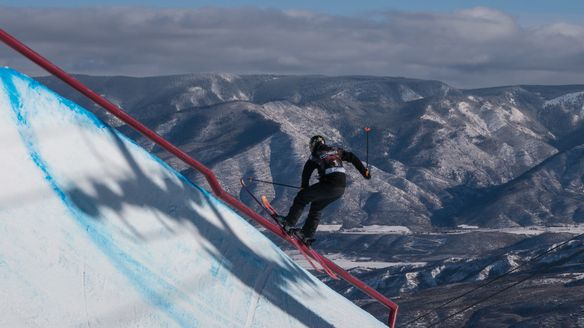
x=209 y=175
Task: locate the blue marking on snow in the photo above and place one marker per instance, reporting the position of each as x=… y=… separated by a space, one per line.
x=143 y=279
x=96 y=122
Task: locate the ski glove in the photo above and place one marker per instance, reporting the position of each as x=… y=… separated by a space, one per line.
x=367 y=175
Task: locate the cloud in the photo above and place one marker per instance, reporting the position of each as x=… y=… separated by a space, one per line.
x=469 y=48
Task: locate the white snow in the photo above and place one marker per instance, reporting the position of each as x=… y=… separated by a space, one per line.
x=437 y=270
x=348 y=262
x=95 y=231
x=300 y=121
x=517 y=116
x=466 y=226
x=477 y=126
x=192 y=97
x=366 y=230
x=378 y=229
x=537 y=230
x=329 y=227
x=167 y=126
x=570 y=98
x=530 y=230
x=412 y=281
x=567 y=100
x=430 y=116
x=408 y=94
x=216 y=88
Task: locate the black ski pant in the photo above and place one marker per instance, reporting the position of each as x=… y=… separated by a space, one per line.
x=319 y=195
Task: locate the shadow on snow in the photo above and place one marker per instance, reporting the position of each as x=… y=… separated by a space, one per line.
x=234 y=256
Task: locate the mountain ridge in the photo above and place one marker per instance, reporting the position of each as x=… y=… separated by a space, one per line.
x=430 y=141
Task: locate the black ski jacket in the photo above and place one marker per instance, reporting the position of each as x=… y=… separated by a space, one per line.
x=329 y=163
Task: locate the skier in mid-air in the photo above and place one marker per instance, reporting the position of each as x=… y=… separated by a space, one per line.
x=328 y=160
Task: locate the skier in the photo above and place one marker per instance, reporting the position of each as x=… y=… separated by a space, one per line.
x=328 y=160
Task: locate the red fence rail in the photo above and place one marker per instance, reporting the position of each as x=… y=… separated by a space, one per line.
x=209 y=175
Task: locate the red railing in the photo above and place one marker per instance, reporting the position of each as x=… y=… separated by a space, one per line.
x=209 y=175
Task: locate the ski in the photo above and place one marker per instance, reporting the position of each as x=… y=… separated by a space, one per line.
x=312 y=252
x=320 y=261
x=272 y=213
x=271 y=210
x=298 y=245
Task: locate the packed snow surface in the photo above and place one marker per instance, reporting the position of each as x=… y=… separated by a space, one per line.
x=95 y=231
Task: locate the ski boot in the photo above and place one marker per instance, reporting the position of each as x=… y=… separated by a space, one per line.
x=282 y=221
x=306 y=240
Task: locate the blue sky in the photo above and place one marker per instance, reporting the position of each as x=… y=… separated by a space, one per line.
x=464 y=43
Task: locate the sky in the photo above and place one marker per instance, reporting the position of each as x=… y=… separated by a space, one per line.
x=467 y=44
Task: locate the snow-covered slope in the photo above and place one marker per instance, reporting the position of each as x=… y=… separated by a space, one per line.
x=96 y=231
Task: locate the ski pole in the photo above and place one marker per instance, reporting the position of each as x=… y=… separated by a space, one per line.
x=273 y=183
x=367 y=130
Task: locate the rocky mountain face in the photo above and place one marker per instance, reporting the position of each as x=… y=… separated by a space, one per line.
x=440 y=156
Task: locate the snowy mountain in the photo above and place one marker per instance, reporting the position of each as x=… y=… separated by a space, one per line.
x=498 y=157
x=96 y=231
x=428 y=270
